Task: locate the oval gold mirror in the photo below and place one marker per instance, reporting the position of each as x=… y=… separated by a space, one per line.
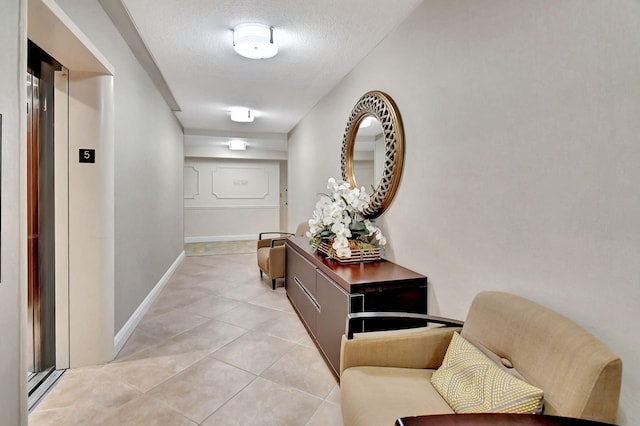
x=368 y=153
x=383 y=150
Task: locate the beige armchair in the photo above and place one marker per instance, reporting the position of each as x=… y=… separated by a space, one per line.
x=386 y=375
x=271 y=252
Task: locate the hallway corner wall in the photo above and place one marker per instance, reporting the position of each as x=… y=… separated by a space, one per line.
x=91 y=234
x=148 y=159
x=12 y=299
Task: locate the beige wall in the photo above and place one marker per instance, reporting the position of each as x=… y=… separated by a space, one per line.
x=12 y=302
x=521 y=168
x=90 y=266
x=148 y=167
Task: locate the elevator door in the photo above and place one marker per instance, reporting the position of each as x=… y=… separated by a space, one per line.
x=40 y=216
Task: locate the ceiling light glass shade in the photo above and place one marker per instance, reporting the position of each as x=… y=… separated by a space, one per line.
x=236 y=145
x=242 y=115
x=254 y=41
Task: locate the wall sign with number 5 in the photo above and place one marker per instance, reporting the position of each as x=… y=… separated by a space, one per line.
x=87 y=155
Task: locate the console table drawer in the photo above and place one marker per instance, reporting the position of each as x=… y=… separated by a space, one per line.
x=301 y=269
x=306 y=304
x=331 y=320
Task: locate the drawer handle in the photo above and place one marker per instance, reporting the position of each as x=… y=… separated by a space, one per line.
x=306 y=292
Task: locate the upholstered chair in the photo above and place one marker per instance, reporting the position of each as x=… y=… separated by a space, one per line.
x=389 y=375
x=271 y=252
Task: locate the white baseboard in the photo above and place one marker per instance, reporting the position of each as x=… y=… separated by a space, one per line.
x=127 y=329
x=220 y=238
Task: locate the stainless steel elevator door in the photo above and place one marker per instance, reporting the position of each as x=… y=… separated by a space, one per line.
x=33 y=300
x=40 y=215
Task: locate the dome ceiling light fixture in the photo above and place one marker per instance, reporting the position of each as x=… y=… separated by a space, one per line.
x=242 y=115
x=254 y=41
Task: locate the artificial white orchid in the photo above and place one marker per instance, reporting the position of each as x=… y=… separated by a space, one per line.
x=338 y=218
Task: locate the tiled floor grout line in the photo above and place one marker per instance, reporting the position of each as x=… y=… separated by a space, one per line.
x=187 y=353
x=227 y=401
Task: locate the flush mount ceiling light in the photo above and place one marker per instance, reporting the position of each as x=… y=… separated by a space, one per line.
x=242 y=115
x=254 y=41
x=237 y=145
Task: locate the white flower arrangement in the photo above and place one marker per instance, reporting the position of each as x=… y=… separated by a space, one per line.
x=338 y=218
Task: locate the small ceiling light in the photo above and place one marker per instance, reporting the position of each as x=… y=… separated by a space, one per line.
x=236 y=145
x=254 y=41
x=242 y=115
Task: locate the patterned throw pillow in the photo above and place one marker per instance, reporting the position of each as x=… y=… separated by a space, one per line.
x=471 y=383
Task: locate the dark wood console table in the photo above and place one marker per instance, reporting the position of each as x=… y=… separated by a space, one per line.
x=492 y=419
x=324 y=291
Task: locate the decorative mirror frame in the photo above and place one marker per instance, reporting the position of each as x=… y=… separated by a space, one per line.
x=379 y=105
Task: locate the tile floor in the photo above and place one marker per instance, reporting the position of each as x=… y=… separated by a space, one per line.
x=218 y=347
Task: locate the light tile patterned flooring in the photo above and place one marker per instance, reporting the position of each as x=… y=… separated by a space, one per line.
x=220 y=247
x=218 y=347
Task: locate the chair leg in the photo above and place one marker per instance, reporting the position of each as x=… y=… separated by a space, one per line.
x=273 y=284
x=261 y=273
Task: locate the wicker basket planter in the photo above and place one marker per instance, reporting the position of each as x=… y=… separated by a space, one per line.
x=372 y=254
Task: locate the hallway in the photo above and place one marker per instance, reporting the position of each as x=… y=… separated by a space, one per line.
x=218 y=347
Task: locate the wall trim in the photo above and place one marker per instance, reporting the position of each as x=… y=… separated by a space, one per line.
x=211 y=239
x=127 y=329
x=119 y=15
x=253 y=207
x=261 y=193
x=54 y=31
x=196 y=191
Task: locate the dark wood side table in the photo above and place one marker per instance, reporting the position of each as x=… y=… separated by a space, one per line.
x=493 y=419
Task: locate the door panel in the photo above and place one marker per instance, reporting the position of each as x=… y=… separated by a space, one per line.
x=41 y=199
x=33 y=301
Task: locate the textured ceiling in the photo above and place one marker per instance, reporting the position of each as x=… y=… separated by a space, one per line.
x=320 y=42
